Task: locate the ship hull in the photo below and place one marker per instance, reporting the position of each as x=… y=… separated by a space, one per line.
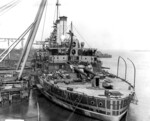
x=82 y=111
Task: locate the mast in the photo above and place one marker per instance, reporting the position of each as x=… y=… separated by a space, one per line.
x=57 y=22
x=71 y=27
x=71 y=34
x=57 y=4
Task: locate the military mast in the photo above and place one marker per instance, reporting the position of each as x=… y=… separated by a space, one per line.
x=70 y=47
x=57 y=4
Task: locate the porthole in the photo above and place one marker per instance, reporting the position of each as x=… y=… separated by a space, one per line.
x=73 y=52
x=100 y=103
x=74 y=44
x=92 y=102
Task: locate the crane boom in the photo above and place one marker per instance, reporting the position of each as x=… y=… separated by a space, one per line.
x=31 y=37
x=4 y=54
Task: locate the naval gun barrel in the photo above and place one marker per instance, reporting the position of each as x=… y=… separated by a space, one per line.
x=79 y=71
x=12 y=82
x=89 y=72
x=105 y=67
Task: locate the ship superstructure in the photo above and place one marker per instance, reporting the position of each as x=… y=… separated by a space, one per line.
x=63 y=46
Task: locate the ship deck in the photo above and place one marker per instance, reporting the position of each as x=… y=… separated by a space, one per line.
x=120 y=87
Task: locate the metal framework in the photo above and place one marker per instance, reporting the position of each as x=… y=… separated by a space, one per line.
x=33 y=27
x=31 y=37
x=7 y=51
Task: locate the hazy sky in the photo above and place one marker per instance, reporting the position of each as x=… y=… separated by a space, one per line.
x=104 y=24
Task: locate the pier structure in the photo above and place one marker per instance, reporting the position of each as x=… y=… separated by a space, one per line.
x=15 y=85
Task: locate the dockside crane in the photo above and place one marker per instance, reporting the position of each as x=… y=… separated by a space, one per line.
x=7 y=51
x=31 y=38
x=17 y=86
x=33 y=30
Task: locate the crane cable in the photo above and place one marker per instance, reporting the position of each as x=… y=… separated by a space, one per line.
x=5 y=8
x=81 y=36
x=6 y=5
x=4 y=54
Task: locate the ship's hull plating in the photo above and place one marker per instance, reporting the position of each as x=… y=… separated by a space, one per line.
x=81 y=110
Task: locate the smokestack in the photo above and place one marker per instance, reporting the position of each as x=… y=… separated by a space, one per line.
x=58 y=31
x=61 y=28
x=63 y=25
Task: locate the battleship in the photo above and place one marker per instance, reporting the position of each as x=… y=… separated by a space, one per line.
x=67 y=73
x=73 y=77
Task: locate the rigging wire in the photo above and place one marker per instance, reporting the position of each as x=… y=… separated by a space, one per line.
x=67 y=29
x=7 y=7
x=81 y=36
x=9 y=49
x=3 y=7
x=44 y=22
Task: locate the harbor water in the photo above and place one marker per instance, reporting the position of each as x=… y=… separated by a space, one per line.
x=39 y=108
